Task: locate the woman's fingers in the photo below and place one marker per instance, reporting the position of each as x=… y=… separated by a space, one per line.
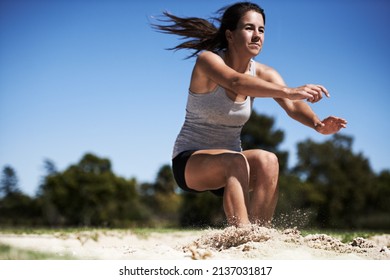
x=324 y=90
x=316 y=92
x=312 y=93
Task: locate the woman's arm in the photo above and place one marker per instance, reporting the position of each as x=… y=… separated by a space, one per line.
x=301 y=111
x=210 y=67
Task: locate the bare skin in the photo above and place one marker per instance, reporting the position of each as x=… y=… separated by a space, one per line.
x=249 y=177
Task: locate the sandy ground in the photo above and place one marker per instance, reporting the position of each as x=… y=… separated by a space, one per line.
x=230 y=243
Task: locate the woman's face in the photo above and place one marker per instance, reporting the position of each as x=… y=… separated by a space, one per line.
x=248 y=37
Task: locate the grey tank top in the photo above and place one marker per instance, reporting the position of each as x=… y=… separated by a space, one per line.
x=213 y=121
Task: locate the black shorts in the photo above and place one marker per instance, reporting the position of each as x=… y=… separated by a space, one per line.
x=179 y=165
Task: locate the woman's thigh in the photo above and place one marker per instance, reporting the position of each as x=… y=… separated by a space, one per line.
x=207 y=169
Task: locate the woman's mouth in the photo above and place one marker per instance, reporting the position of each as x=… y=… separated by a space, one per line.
x=255 y=45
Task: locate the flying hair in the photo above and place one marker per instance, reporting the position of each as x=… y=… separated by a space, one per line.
x=201 y=34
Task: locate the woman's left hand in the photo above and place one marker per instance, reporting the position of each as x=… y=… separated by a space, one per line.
x=331 y=125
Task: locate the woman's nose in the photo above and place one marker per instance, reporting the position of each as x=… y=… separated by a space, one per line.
x=255 y=37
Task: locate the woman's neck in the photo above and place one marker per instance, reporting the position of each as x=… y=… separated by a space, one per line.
x=237 y=63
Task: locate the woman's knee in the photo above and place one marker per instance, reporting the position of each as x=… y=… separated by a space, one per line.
x=272 y=161
x=266 y=160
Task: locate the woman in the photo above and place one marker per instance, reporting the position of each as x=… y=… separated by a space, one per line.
x=207 y=155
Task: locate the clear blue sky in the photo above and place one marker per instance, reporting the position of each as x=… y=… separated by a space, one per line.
x=92 y=76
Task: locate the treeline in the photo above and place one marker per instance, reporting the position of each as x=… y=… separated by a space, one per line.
x=329 y=187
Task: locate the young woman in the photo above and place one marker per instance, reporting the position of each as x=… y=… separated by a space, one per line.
x=207 y=155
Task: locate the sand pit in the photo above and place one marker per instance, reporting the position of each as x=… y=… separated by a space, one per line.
x=215 y=244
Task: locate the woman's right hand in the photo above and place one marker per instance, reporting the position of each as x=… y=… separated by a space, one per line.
x=312 y=93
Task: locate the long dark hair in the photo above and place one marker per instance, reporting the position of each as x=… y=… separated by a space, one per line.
x=202 y=33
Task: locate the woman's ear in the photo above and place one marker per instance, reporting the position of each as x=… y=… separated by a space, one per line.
x=228 y=35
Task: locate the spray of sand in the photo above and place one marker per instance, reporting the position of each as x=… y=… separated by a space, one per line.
x=260 y=241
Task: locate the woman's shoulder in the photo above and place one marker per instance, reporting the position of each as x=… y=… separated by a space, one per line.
x=200 y=78
x=265 y=72
x=207 y=60
x=209 y=56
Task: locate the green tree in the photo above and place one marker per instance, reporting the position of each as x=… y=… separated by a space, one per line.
x=90 y=194
x=162 y=198
x=49 y=167
x=341 y=181
x=377 y=214
x=202 y=210
x=381 y=197
x=16 y=208
x=9 y=181
x=295 y=200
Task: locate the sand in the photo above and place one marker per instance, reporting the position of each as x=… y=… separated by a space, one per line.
x=214 y=244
